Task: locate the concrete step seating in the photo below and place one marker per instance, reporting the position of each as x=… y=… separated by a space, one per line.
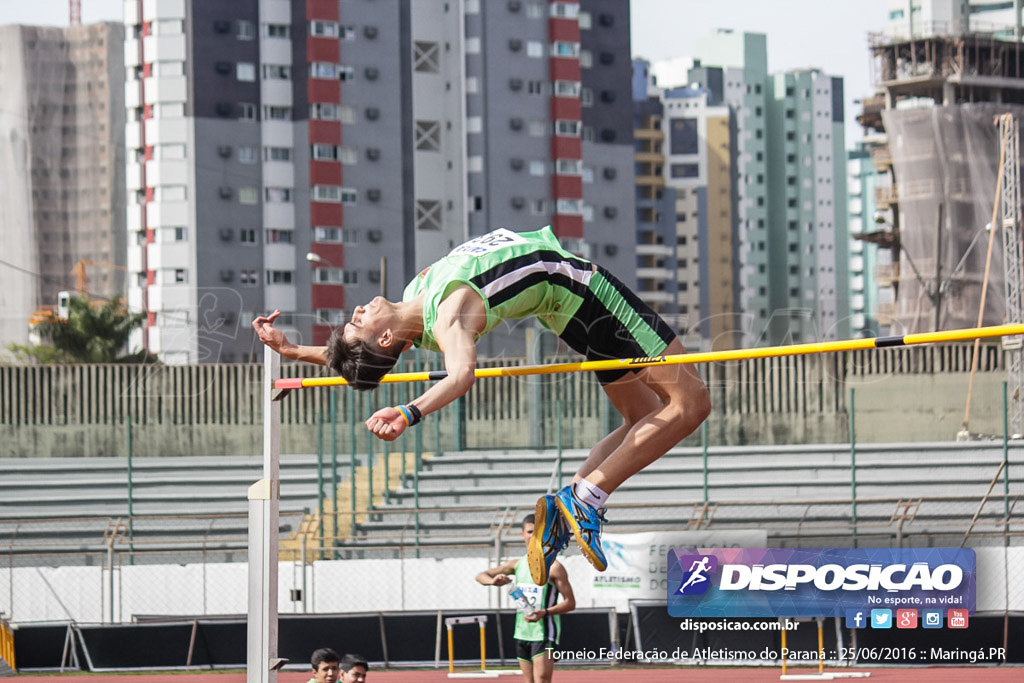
x=472 y=487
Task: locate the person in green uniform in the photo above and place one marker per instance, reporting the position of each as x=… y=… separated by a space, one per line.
x=326 y=666
x=506 y=275
x=538 y=624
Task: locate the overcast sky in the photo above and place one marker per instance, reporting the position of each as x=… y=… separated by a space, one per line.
x=828 y=34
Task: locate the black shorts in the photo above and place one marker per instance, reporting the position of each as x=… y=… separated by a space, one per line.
x=529 y=650
x=612 y=322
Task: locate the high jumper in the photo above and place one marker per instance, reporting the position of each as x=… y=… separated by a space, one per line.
x=507 y=275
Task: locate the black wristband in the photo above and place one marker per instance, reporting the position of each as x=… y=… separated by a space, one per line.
x=416 y=414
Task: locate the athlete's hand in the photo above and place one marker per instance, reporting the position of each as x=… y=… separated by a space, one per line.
x=268 y=334
x=535 y=615
x=501 y=580
x=387 y=424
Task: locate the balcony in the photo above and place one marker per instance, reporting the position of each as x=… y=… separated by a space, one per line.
x=648 y=134
x=881 y=157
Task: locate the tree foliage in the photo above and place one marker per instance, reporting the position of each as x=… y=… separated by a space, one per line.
x=90 y=334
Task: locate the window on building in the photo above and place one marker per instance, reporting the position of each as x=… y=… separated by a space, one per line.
x=535 y=87
x=279 y=236
x=277 y=72
x=538 y=207
x=324 y=29
x=328 y=276
x=247 y=111
x=537 y=168
x=348 y=155
x=247 y=236
x=567 y=88
x=245 y=71
x=535 y=49
x=277 y=30
x=349 y=195
x=683 y=136
x=569 y=206
x=246 y=30
x=562 y=48
x=565 y=10
x=323 y=152
x=325 y=111
x=326 y=234
x=277 y=113
x=685 y=170
x=248 y=195
x=277 y=153
x=180 y=276
x=248 y=277
x=569 y=167
x=278 y=195
x=567 y=128
x=326 y=193
x=247 y=155
x=279 y=277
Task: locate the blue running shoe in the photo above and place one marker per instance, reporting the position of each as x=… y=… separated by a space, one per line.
x=585 y=523
x=550 y=536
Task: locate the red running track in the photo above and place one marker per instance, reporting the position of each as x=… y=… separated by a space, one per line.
x=570 y=675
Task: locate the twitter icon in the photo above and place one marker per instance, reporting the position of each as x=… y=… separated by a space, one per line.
x=881 y=618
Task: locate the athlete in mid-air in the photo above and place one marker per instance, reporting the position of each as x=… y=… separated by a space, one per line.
x=507 y=275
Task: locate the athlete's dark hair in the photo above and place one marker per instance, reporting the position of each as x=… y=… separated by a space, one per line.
x=324 y=654
x=361 y=363
x=528 y=519
x=349 y=661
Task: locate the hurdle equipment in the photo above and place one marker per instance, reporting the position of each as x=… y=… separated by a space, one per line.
x=481 y=621
x=821 y=675
x=283 y=386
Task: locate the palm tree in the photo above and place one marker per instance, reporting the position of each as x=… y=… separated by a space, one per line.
x=89 y=334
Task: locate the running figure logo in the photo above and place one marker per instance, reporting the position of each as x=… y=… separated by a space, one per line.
x=696 y=578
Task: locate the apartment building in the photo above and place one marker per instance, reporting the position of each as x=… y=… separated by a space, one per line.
x=308 y=156
x=62 y=168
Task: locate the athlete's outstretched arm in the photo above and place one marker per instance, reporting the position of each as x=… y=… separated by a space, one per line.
x=276 y=339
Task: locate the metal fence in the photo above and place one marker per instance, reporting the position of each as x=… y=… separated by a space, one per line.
x=230 y=394
x=92 y=410
x=105 y=574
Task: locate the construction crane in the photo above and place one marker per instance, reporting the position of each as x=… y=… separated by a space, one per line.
x=1013 y=265
x=74 y=12
x=1007 y=216
x=81 y=280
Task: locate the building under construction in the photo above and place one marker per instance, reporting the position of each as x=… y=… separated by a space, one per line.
x=938 y=94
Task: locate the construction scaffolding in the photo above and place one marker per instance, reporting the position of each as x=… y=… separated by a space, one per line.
x=946 y=161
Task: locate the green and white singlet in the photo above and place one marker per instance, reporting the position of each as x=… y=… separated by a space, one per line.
x=548 y=629
x=519 y=274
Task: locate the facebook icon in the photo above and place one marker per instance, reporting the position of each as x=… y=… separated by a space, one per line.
x=855 y=618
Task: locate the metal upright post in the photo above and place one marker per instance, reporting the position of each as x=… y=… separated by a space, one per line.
x=264 y=509
x=853 y=467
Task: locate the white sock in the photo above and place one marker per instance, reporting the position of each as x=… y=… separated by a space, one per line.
x=590 y=494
